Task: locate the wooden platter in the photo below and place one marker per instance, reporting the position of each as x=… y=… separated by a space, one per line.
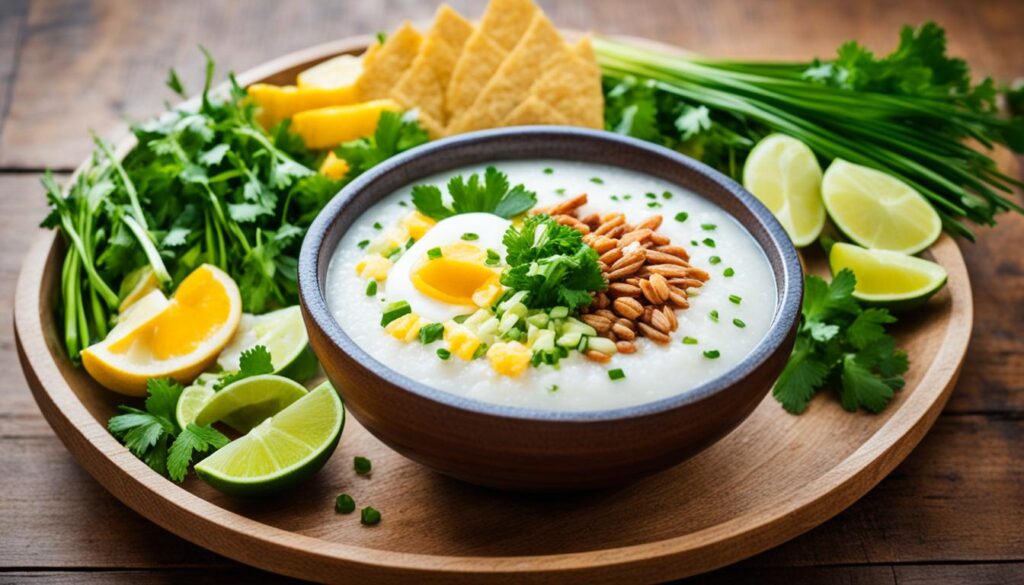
x=774 y=477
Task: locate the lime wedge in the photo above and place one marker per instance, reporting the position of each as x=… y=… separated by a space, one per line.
x=888 y=278
x=192 y=400
x=877 y=210
x=250 y=401
x=280 y=451
x=283 y=333
x=784 y=174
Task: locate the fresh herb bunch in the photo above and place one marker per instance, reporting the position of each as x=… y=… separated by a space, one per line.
x=552 y=263
x=492 y=195
x=154 y=436
x=906 y=114
x=843 y=346
x=205 y=184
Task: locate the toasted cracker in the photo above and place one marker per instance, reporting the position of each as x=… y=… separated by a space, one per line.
x=383 y=67
x=510 y=84
x=502 y=25
x=535 y=111
x=423 y=86
x=571 y=84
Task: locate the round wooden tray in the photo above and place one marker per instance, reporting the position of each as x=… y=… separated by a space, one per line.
x=774 y=477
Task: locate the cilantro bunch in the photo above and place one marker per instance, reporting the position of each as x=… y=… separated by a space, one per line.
x=552 y=263
x=842 y=346
x=492 y=195
x=205 y=184
x=907 y=114
x=154 y=436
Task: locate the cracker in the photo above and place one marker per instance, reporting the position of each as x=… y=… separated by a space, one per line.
x=383 y=67
x=423 y=86
x=571 y=84
x=502 y=25
x=535 y=111
x=510 y=84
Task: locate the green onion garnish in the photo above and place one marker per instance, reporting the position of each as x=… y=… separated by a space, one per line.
x=597 y=180
x=690 y=340
x=344 y=504
x=548 y=170
x=728 y=272
x=394 y=311
x=739 y=323
x=470 y=236
x=363 y=244
x=493 y=257
x=666 y=195
x=709 y=242
x=712 y=354
x=370 y=516
x=434 y=253
x=371 y=288
x=377 y=226
x=735 y=299
x=443 y=353
x=714 y=316
x=616 y=374
x=682 y=215
x=708 y=227
x=431 y=332
x=362 y=465
x=714 y=260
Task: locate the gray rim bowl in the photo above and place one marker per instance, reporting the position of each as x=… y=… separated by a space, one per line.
x=546 y=142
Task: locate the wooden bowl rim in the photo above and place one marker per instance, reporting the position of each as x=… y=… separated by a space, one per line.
x=489 y=145
x=243 y=539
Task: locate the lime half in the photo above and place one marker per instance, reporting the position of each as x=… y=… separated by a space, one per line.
x=784 y=174
x=250 y=401
x=888 y=278
x=877 y=210
x=283 y=333
x=280 y=451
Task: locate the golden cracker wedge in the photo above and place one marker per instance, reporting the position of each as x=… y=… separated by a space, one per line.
x=535 y=111
x=423 y=86
x=382 y=67
x=571 y=84
x=510 y=84
x=502 y=25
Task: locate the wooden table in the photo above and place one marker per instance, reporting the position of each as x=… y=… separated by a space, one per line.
x=952 y=513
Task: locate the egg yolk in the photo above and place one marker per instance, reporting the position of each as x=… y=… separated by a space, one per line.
x=456 y=275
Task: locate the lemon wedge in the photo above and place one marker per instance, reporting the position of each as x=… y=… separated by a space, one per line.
x=341 y=71
x=175 y=338
x=784 y=174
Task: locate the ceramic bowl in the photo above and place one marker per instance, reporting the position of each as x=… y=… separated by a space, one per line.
x=538 y=450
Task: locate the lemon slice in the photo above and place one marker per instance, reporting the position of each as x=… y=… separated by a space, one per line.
x=249 y=401
x=341 y=71
x=138 y=284
x=283 y=333
x=877 y=210
x=888 y=278
x=282 y=450
x=784 y=174
x=176 y=338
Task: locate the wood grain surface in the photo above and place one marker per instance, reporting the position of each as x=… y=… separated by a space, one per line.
x=950 y=514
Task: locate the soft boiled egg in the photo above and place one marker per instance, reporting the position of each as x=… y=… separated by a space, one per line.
x=446 y=272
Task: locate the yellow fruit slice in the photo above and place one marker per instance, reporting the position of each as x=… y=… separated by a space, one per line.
x=877 y=210
x=140 y=283
x=340 y=72
x=888 y=278
x=178 y=338
x=275 y=103
x=784 y=174
x=329 y=127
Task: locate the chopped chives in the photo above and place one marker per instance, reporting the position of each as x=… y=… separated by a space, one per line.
x=493 y=257
x=470 y=236
x=714 y=260
x=369 y=516
x=431 y=332
x=653 y=204
x=735 y=299
x=627 y=196
x=480 y=352
x=614 y=197
x=344 y=504
x=650 y=195
x=371 y=288
x=728 y=272
x=714 y=315
x=377 y=226
x=739 y=323
x=393 y=252
x=597 y=180
x=553 y=388
x=434 y=253
x=694 y=243
x=690 y=340
x=560 y=191
x=362 y=465
x=363 y=244
x=666 y=195
x=709 y=242
x=712 y=354
x=443 y=353
x=682 y=215
x=403 y=204
x=394 y=311
x=616 y=374
x=708 y=227
x=548 y=170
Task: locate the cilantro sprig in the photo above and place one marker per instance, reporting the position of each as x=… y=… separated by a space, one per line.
x=154 y=436
x=843 y=346
x=551 y=263
x=254 y=361
x=494 y=194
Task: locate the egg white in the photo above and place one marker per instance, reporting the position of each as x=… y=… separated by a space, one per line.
x=489 y=227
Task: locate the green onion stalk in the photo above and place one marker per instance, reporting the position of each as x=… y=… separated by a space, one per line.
x=921 y=139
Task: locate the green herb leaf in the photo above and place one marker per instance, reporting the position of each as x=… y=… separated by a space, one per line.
x=491 y=195
x=191 y=440
x=252 y=362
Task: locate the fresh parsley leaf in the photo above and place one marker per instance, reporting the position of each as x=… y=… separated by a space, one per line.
x=493 y=194
x=163 y=397
x=254 y=361
x=191 y=440
x=551 y=263
x=842 y=345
